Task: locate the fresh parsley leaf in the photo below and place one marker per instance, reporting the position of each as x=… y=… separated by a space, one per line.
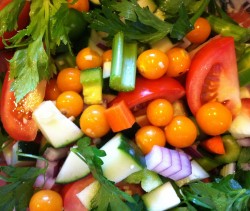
x=17 y=193
x=108 y=196
x=138 y=205
x=182 y=26
x=138 y=24
x=9 y=16
x=222 y=194
x=36 y=43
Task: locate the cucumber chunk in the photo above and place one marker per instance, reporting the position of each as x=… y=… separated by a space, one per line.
x=73 y=168
x=162 y=198
x=55 y=127
x=122 y=158
x=88 y=193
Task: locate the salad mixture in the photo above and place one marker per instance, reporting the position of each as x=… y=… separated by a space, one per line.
x=124 y=105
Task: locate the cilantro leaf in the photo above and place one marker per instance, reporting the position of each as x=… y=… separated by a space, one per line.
x=17 y=193
x=108 y=196
x=223 y=194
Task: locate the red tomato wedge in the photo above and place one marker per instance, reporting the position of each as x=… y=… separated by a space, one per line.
x=241 y=16
x=147 y=90
x=213 y=76
x=17 y=118
x=70 y=200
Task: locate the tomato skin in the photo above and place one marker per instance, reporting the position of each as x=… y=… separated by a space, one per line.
x=181 y=132
x=146 y=90
x=152 y=63
x=70 y=103
x=160 y=112
x=215 y=57
x=201 y=31
x=44 y=200
x=148 y=136
x=68 y=79
x=241 y=16
x=214 y=118
x=52 y=90
x=4 y=56
x=70 y=200
x=23 y=20
x=179 y=62
x=93 y=121
x=88 y=58
x=19 y=128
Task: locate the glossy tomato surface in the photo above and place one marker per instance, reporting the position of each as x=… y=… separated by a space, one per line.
x=70 y=200
x=147 y=90
x=23 y=20
x=213 y=76
x=17 y=118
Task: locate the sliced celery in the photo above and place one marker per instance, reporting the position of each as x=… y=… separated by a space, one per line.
x=226 y=28
x=244 y=68
x=123 y=67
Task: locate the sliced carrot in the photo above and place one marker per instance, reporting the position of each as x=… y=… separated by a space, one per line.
x=119 y=117
x=214 y=145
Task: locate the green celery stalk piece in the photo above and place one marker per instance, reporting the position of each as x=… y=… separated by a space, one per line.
x=244 y=68
x=92 y=80
x=123 y=68
x=226 y=28
x=129 y=67
x=117 y=58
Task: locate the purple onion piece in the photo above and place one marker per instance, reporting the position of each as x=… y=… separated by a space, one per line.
x=244 y=142
x=53 y=154
x=166 y=160
x=176 y=164
x=186 y=168
x=154 y=157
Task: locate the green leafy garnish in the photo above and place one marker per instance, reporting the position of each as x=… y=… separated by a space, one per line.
x=108 y=196
x=140 y=24
x=36 y=43
x=9 y=16
x=17 y=193
x=220 y=195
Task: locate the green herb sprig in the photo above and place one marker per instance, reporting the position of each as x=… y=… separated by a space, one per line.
x=108 y=196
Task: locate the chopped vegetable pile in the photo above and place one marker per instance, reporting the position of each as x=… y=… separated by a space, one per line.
x=124 y=105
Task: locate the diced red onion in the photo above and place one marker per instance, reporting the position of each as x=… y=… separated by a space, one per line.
x=40 y=181
x=41 y=164
x=102 y=46
x=245 y=166
x=154 y=157
x=186 y=168
x=166 y=161
x=53 y=154
x=176 y=164
x=49 y=183
x=44 y=182
x=244 y=142
x=193 y=151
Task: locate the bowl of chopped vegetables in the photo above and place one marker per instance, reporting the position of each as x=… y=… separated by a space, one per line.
x=124 y=105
